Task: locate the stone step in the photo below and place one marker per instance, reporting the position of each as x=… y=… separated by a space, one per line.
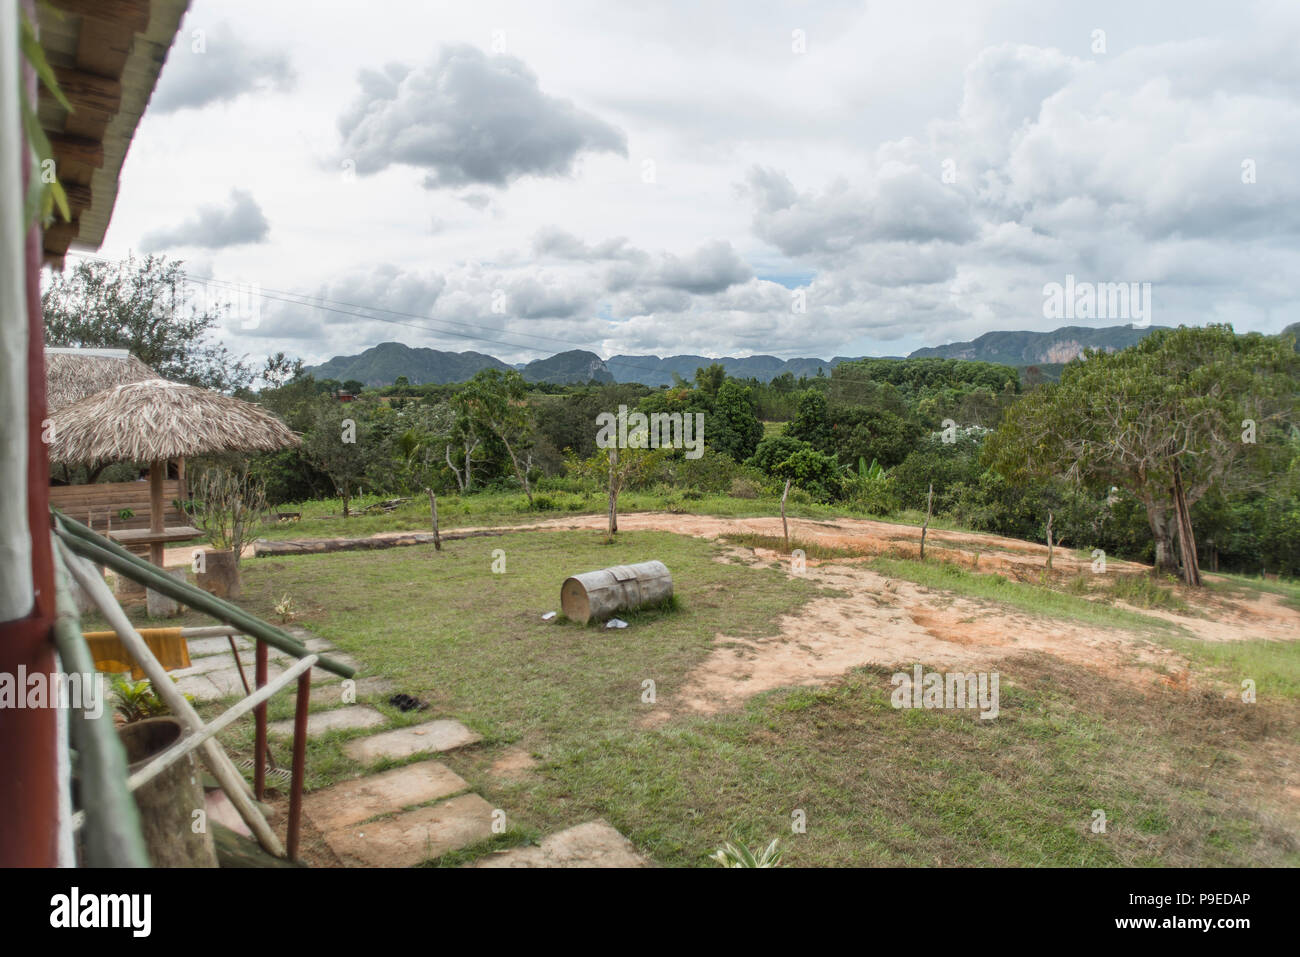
x=594 y=844
x=321 y=676
x=441 y=735
x=333 y=693
x=352 y=716
x=414 y=837
x=352 y=802
x=212 y=646
x=204 y=664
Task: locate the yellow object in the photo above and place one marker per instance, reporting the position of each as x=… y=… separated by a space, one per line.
x=111 y=656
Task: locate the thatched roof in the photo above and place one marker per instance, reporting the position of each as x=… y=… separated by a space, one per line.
x=156 y=419
x=73 y=374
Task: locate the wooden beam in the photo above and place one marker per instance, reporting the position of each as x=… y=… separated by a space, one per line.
x=76 y=149
x=128 y=13
x=89 y=94
x=59 y=236
x=103 y=48
x=79 y=197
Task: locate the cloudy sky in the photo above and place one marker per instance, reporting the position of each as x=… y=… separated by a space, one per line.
x=727 y=178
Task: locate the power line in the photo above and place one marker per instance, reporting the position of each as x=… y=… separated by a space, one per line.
x=320 y=302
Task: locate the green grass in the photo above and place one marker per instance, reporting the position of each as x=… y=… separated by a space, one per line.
x=1274 y=666
x=1178 y=775
x=1232 y=584
x=1034 y=599
x=473 y=644
x=885 y=787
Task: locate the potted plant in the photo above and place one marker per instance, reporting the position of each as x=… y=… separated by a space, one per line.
x=168 y=802
x=229 y=507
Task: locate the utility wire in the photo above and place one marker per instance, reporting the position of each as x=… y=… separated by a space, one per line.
x=333 y=305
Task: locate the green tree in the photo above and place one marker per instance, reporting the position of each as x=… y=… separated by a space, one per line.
x=342 y=444
x=1182 y=412
x=710 y=380
x=740 y=429
x=148 y=308
x=774 y=450
x=812 y=422
x=814 y=472
x=499 y=402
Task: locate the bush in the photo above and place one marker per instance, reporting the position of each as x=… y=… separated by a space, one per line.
x=744 y=488
x=774 y=450
x=815 y=472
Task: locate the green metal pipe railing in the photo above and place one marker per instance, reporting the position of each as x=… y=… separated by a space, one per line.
x=111 y=836
x=90 y=545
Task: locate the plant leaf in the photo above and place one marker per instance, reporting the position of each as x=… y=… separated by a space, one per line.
x=36 y=57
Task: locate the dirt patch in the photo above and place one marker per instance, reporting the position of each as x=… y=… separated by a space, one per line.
x=513 y=764
x=893 y=623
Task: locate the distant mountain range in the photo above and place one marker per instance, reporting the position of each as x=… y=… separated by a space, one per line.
x=1038 y=348
x=382 y=364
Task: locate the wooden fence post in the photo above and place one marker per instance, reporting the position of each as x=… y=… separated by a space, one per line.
x=784 y=524
x=929 y=502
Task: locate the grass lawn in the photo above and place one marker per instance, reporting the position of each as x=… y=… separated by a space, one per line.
x=1175 y=773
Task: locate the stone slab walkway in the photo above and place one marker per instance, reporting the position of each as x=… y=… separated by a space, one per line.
x=351 y=716
x=404 y=816
x=416 y=836
x=353 y=802
x=441 y=735
x=594 y=844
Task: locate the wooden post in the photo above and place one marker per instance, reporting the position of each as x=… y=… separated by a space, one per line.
x=929 y=501
x=157 y=471
x=433 y=507
x=613 y=493
x=259 y=721
x=785 y=526
x=299 y=764
x=1049 y=541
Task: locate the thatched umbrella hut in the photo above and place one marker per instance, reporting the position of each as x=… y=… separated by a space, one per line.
x=73 y=374
x=156 y=420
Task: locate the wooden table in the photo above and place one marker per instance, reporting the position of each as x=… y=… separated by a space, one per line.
x=155 y=540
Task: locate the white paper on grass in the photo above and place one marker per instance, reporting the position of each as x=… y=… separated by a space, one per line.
x=616 y=623
x=548 y=616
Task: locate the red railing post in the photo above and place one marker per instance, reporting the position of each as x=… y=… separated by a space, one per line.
x=299 y=763
x=259 y=718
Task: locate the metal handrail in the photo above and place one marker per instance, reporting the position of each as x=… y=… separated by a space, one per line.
x=90 y=545
x=111 y=836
